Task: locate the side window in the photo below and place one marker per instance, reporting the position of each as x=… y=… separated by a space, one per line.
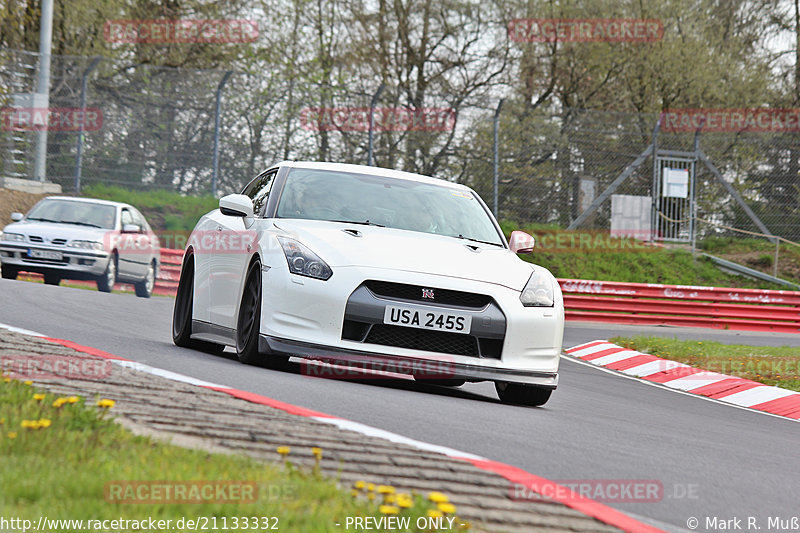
x=258 y=191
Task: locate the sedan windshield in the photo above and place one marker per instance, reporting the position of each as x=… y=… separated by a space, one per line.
x=74 y=212
x=393 y=203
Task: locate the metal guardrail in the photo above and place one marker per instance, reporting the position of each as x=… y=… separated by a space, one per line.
x=682 y=305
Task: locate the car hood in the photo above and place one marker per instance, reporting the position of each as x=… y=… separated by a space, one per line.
x=51 y=230
x=408 y=251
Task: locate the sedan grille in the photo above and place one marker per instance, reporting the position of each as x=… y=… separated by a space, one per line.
x=402 y=291
x=35 y=238
x=420 y=339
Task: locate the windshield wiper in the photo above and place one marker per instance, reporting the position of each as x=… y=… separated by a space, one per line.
x=77 y=223
x=364 y=223
x=43 y=219
x=476 y=240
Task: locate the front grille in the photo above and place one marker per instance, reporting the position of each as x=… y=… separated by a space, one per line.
x=59 y=242
x=424 y=340
x=35 y=238
x=63 y=261
x=402 y=291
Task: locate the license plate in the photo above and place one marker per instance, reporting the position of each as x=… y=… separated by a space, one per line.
x=46 y=254
x=426 y=319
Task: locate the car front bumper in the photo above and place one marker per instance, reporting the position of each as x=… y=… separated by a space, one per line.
x=306 y=316
x=79 y=263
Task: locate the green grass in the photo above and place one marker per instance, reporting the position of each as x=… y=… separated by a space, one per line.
x=164 y=210
x=771 y=365
x=62 y=472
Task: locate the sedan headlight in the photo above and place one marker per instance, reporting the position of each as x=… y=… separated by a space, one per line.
x=303 y=261
x=13 y=237
x=538 y=292
x=88 y=245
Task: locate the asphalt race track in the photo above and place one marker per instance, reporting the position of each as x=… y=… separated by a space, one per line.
x=713 y=460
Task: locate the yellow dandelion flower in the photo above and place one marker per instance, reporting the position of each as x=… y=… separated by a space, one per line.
x=354 y=493
x=389 y=498
x=105 y=403
x=317 y=452
x=447 y=508
x=370 y=486
x=385 y=489
x=283 y=450
x=28 y=382
x=2 y=421
x=404 y=500
x=72 y=399
x=12 y=434
x=388 y=509
x=44 y=422
x=438 y=497
x=370 y=496
x=360 y=484
x=435 y=513
x=59 y=402
x=38 y=397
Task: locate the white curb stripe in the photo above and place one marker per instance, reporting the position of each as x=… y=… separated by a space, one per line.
x=695 y=381
x=756 y=395
x=174 y=376
x=653 y=367
x=592 y=349
x=394 y=437
x=20 y=330
x=614 y=357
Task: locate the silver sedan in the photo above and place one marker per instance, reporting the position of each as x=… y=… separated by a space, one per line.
x=82 y=238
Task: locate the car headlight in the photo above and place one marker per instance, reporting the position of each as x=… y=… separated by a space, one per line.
x=538 y=292
x=89 y=245
x=13 y=237
x=303 y=261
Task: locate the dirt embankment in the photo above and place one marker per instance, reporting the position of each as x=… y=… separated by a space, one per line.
x=16 y=201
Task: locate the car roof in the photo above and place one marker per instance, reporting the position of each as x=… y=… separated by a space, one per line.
x=88 y=200
x=374 y=171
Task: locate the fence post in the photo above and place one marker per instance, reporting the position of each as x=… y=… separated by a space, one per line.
x=372 y=104
x=496 y=155
x=79 y=152
x=43 y=86
x=693 y=204
x=656 y=186
x=215 y=171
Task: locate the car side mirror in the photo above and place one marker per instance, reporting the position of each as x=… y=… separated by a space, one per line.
x=131 y=228
x=521 y=243
x=16 y=217
x=236 y=205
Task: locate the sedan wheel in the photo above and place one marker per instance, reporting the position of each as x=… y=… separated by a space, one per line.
x=521 y=394
x=249 y=324
x=144 y=288
x=106 y=281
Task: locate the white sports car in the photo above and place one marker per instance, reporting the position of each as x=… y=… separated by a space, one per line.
x=371 y=268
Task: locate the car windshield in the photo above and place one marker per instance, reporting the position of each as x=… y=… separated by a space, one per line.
x=74 y=212
x=390 y=202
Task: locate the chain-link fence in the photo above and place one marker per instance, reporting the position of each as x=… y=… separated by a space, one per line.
x=159 y=128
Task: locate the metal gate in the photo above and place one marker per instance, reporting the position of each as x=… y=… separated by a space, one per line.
x=673 y=198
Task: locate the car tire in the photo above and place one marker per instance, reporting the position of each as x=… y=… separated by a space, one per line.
x=51 y=278
x=8 y=272
x=144 y=288
x=249 y=322
x=522 y=394
x=182 y=313
x=107 y=280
